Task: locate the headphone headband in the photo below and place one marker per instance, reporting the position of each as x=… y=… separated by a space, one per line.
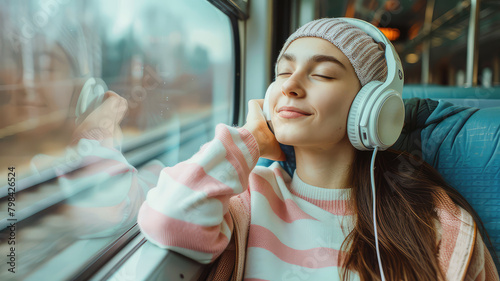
x=395 y=76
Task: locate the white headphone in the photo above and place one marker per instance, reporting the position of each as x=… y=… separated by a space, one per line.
x=377 y=113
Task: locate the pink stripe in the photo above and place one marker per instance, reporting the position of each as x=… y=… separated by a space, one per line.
x=235 y=156
x=246 y=200
x=277 y=171
x=194 y=176
x=286 y=210
x=250 y=143
x=261 y=237
x=449 y=217
x=176 y=233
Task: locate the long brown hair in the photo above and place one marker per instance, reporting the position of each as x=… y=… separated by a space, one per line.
x=406 y=187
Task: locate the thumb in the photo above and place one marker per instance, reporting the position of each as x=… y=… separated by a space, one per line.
x=114 y=105
x=255 y=110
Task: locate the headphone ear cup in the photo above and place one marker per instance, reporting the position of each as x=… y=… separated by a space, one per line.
x=387 y=119
x=358 y=108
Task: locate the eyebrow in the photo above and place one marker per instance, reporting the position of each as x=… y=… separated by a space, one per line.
x=316 y=59
x=53 y=55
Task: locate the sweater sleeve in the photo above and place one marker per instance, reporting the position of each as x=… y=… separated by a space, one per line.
x=102 y=196
x=462 y=253
x=187 y=211
x=481 y=265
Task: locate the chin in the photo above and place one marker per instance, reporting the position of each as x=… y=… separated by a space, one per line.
x=291 y=139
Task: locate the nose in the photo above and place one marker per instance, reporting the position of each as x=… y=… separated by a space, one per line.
x=293 y=87
x=26 y=90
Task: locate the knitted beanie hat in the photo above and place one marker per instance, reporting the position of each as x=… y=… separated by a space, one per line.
x=365 y=55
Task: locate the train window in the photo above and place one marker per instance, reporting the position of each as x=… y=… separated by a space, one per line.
x=441 y=43
x=75 y=159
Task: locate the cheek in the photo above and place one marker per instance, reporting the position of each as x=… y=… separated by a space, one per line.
x=273 y=101
x=58 y=94
x=335 y=112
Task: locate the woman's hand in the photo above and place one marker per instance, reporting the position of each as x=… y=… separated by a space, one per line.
x=103 y=124
x=257 y=125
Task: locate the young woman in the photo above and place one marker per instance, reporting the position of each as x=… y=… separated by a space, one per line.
x=259 y=223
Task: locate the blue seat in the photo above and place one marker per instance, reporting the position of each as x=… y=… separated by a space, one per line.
x=445 y=92
x=462 y=143
x=470 y=97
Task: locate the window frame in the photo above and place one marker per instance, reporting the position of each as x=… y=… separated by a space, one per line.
x=235 y=14
x=147 y=148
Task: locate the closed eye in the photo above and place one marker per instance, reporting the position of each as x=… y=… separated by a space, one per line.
x=323 y=76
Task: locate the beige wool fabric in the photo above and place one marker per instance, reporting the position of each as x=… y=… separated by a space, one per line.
x=362 y=51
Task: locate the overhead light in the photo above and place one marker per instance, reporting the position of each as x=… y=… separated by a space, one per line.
x=411 y=58
x=391 y=33
x=436 y=41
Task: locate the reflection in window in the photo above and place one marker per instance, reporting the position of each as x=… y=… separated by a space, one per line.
x=170 y=64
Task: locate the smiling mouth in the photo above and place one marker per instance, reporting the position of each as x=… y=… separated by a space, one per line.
x=291 y=114
x=30 y=104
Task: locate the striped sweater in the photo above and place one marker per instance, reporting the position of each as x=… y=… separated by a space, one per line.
x=295 y=230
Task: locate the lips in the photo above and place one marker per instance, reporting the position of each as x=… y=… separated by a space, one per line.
x=294 y=109
x=292 y=112
x=32 y=103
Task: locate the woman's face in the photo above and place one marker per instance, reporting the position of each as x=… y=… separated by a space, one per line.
x=310 y=99
x=38 y=92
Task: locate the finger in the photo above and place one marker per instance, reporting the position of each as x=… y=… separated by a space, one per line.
x=254 y=111
x=114 y=106
x=109 y=94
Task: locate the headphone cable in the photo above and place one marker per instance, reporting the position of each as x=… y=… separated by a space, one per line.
x=372 y=168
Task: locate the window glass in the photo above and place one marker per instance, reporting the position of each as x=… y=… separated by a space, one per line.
x=82 y=159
